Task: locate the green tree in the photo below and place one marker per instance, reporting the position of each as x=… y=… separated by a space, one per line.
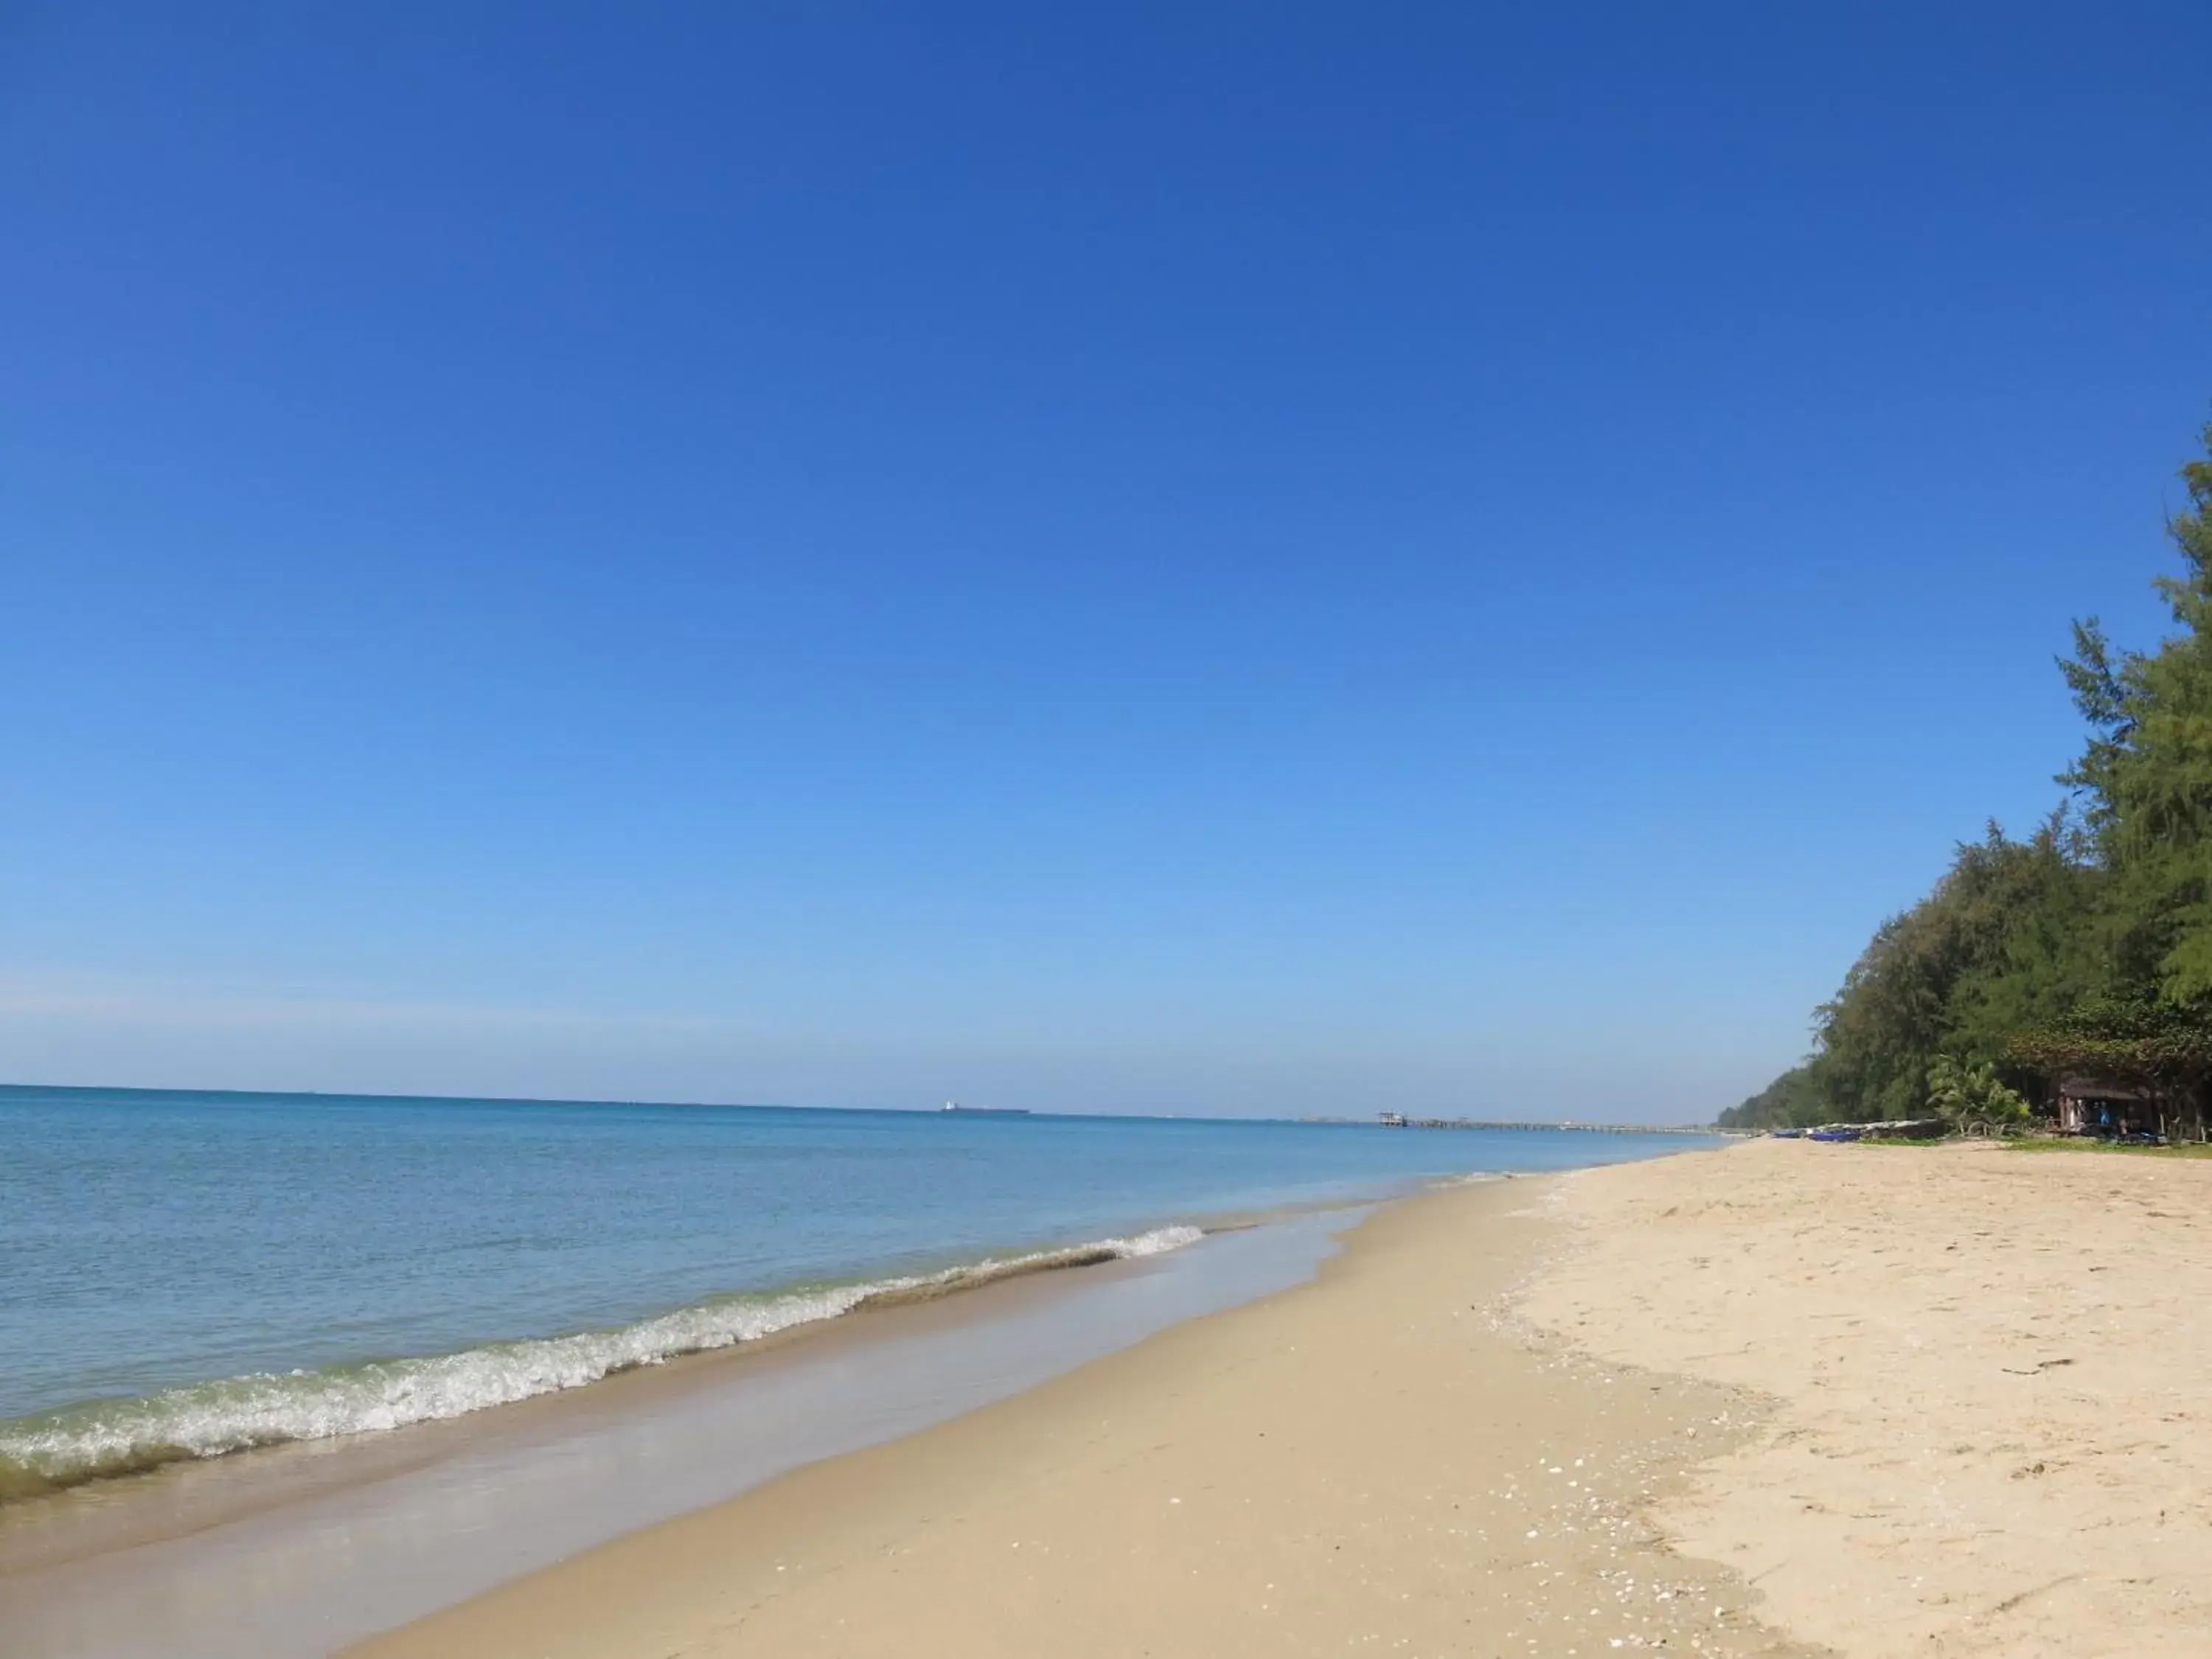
x=2146 y=775
x=1961 y=1093
x=1792 y=1098
x=1997 y=943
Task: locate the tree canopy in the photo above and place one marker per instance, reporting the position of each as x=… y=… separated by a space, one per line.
x=2086 y=947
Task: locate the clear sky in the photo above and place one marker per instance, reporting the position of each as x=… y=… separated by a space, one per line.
x=1242 y=558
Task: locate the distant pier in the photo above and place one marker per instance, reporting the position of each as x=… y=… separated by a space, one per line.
x=1396 y=1121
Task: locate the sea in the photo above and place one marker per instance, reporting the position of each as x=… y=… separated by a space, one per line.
x=184 y=1275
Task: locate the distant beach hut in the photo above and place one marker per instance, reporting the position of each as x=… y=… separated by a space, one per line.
x=2090 y=1105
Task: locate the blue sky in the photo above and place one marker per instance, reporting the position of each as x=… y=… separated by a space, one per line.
x=1219 y=558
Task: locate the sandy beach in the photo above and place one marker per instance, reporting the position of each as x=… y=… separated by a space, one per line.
x=1781 y=1399
x=1991 y=1372
x=1380 y=1461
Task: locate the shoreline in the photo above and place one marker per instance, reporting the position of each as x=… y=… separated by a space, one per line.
x=468 y=1254
x=297 y=1548
x=725 y=1325
x=1376 y=1454
x=1780 y=1400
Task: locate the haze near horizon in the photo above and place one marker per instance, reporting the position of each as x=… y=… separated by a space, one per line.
x=1226 y=560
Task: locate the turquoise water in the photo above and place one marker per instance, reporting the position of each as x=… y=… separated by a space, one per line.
x=187 y=1274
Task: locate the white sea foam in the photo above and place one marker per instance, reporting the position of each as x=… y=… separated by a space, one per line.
x=208 y=1419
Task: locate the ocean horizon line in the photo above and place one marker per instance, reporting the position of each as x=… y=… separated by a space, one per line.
x=373 y=1096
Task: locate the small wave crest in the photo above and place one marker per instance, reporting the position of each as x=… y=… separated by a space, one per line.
x=85 y=1443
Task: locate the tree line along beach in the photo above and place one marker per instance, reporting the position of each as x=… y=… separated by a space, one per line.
x=2065 y=975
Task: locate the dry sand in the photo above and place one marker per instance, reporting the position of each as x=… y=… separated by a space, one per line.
x=1936 y=1402
x=1993 y=1378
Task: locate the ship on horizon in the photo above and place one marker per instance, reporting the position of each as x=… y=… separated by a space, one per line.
x=984 y=1111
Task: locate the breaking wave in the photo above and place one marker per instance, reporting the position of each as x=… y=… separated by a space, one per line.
x=89 y=1441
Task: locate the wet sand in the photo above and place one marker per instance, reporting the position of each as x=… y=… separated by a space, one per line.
x=1381 y=1461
